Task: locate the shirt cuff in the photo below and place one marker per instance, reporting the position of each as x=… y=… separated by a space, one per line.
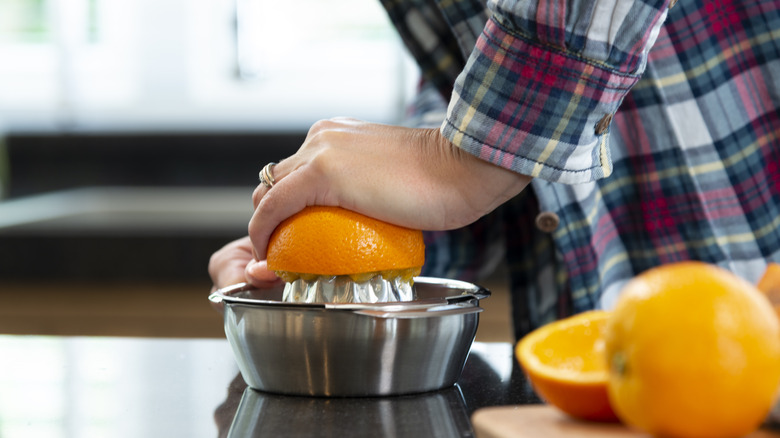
x=535 y=109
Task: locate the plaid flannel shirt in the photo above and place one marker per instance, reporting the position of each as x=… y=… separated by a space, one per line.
x=653 y=134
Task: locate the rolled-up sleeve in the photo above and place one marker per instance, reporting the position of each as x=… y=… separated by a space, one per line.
x=539 y=90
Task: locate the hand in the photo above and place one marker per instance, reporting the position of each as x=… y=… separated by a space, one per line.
x=234 y=263
x=410 y=177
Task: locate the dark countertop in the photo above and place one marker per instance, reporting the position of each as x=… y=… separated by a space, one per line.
x=117 y=387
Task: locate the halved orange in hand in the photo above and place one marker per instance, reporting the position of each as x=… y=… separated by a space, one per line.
x=333 y=241
x=566 y=364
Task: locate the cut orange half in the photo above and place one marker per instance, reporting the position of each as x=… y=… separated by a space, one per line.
x=566 y=365
x=332 y=241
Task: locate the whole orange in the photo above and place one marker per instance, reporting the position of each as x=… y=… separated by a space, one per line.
x=565 y=363
x=334 y=241
x=693 y=351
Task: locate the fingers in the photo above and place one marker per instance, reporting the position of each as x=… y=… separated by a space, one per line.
x=234 y=263
x=278 y=171
x=303 y=179
x=258 y=194
x=289 y=196
x=258 y=275
x=226 y=266
x=321 y=135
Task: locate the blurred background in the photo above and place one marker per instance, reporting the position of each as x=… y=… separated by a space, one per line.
x=131 y=137
x=132 y=133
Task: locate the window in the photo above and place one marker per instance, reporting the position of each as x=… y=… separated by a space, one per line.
x=197 y=64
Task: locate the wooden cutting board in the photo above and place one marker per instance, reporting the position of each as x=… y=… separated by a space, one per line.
x=537 y=421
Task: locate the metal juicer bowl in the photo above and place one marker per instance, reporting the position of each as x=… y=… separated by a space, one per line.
x=352 y=349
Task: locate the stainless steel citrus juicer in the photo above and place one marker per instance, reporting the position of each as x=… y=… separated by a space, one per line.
x=352 y=349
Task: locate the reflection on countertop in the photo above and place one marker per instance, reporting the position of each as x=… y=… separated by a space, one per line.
x=435 y=414
x=490 y=378
x=53 y=386
x=131 y=387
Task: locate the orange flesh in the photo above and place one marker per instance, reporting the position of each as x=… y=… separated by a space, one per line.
x=582 y=353
x=565 y=363
x=403 y=274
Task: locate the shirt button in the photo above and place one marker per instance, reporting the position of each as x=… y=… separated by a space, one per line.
x=547 y=221
x=603 y=124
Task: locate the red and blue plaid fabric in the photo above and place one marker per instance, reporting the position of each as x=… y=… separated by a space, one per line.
x=688 y=169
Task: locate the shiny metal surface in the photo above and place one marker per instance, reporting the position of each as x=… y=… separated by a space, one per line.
x=433 y=414
x=342 y=289
x=326 y=349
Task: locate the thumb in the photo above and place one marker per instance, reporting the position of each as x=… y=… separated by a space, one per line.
x=258 y=275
